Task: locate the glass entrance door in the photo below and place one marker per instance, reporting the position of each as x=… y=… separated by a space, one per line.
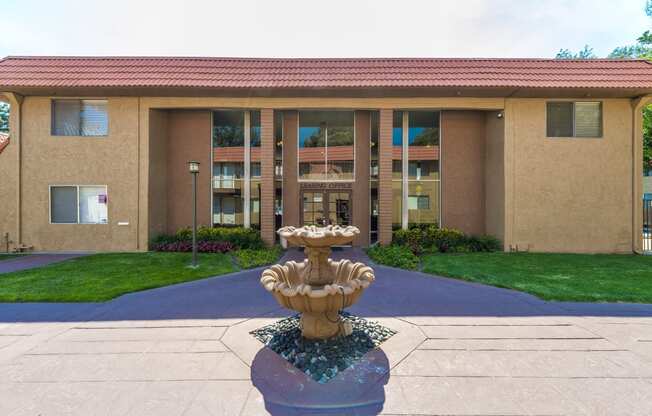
x=339 y=208
x=326 y=207
x=313 y=208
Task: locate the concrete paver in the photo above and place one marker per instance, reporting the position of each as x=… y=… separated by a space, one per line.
x=461 y=349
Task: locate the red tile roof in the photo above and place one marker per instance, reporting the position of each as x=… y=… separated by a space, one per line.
x=148 y=72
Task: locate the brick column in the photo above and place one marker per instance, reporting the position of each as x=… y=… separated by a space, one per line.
x=385 y=178
x=267 y=175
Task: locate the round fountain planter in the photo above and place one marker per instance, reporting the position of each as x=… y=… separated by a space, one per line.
x=318 y=287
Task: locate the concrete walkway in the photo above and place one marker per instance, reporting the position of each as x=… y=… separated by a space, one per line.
x=461 y=349
x=30 y=261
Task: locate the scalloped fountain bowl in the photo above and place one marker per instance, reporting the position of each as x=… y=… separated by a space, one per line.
x=318 y=287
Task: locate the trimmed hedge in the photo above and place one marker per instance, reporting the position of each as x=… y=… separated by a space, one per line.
x=421 y=239
x=237 y=237
x=395 y=256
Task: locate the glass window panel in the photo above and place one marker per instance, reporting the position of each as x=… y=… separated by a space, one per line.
x=423 y=129
x=93 y=203
x=228 y=128
x=397 y=203
x=278 y=144
x=255 y=169
x=94 y=119
x=423 y=170
x=278 y=206
x=326 y=145
x=373 y=222
x=65 y=117
x=79 y=118
x=423 y=145
x=312 y=146
x=588 y=119
x=254 y=128
x=397 y=145
x=423 y=202
x=63 y=204
x=373 y=144
x=228 y=166
x=227 y=209
x=254 y=205
x=560 y=119
x=340 y=170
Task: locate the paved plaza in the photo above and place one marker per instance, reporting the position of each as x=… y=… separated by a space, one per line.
x=461 y=349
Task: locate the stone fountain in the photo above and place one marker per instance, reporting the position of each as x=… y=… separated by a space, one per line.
x=318 y=287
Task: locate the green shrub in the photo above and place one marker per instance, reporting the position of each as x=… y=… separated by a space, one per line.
x=250 y=258
x=484 y=243
x=429 y=237
x=239 y=237
x=444 y=239
x=412 y=238
x=394 y=255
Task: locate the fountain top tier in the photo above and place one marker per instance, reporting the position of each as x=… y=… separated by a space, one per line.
x=312 y=236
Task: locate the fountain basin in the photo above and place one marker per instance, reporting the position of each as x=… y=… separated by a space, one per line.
x=318 y=287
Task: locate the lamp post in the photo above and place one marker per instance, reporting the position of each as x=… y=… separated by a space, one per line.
x=193 y=167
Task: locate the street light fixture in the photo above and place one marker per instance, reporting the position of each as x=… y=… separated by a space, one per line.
x=193 y=168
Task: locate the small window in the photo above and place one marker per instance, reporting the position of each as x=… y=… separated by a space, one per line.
x=574 y=119
x=80 y=118
x=78 y=205
x=418 y=202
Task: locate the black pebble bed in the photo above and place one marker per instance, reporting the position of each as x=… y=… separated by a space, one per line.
x=322 y=360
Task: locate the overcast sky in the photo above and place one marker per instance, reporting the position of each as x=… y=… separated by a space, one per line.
x=324 y=28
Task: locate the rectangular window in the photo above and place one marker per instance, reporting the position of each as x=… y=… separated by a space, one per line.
x=236 y=168
x=80 y=118
x=326 y=145
x=78 y=205
x=574 y=119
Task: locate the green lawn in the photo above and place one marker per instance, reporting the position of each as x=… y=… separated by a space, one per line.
x=101 y=277
x=565 y=277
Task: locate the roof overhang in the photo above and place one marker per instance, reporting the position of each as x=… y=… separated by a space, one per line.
x=331 y=92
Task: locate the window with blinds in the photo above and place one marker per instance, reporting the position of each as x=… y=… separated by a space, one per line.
x=574 y=119
x=80 y=118
x=75 y=204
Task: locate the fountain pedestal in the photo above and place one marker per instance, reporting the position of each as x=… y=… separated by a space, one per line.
x=318 y=287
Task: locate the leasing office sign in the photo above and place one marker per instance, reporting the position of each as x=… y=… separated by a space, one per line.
x=4 y=141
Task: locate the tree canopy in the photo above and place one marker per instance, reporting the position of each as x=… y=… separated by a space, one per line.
x=4 y=117
x=642 y=49
x=586 y=53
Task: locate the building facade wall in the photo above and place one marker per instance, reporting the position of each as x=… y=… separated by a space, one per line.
x=501 y=176
x=360 y=189
x=189 y=138
x=158 y=173
x=494 y=174
x=63 y=160
x=463 y=137
x=568 y=194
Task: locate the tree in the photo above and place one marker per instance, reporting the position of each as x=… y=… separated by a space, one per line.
x=641 y=50
x=647 y=138
x=586 y=53
x=4 y=117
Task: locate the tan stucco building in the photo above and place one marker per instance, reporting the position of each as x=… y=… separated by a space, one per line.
x=544 y=154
